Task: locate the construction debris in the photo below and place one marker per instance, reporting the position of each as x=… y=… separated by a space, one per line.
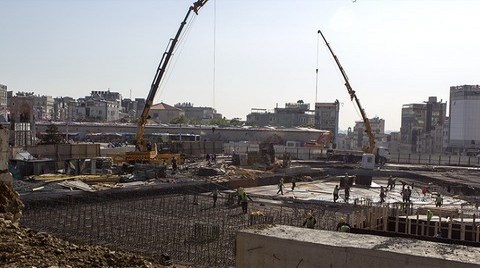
x=10 y=204
x=23 y=247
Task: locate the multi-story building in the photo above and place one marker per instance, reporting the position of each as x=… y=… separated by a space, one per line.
x=436 y=113
x=164 y=113
x=129 y=107
x=413 y=122
x=60 y=108
x=293 y=115
x=89 y=109
x=377 y=126
x=3 y=104
x=22 y=119
x=327 y=116
x=464 y=119
x=42 y=107
x=395 y=142
x=200 y=114
x=261 y=117
x=3 y=95
x=107 y=95
x=420 y=118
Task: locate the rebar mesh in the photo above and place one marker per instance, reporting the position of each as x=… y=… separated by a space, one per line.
x=185 y=226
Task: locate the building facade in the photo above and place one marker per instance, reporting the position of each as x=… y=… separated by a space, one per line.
x=464 y=119
x=378 y=129
x=60 y=108
x=418 y=119
x=327 y=117
x=94 y=110
x=198 y=114
x=164 y=113
x=3 y=95
x=3 y=104
x=293 y=115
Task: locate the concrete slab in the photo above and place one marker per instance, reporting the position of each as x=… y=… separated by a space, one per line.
x=322 y=190
x=286 y=246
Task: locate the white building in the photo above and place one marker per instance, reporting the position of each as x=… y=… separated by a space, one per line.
x=464 y=119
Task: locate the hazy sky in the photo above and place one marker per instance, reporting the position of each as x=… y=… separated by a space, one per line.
x=394 y=52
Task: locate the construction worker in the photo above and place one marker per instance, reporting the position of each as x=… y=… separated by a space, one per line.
x=382 y=194
x=347 y=193
x=244 y=202
x=310 y=221
x=215 y=194
x=240 y=191
x=439 y=200
x=424 y=191
x=280 y=186
x=342 y=226
x=429 y=215
x=294 y=181
x=174 y=165
x=335 y=193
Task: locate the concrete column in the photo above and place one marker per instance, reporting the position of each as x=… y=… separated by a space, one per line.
x=93 y=166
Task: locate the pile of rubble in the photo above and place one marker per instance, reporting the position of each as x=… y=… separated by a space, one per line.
x=23 y=247
x=10 y=204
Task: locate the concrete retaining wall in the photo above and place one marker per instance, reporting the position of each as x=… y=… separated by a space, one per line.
x=61 y=152
x=286 y=246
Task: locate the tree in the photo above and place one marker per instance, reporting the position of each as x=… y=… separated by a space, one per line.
x=52 y=136
x=235 y=122
x=222 y=122
x=180 y=120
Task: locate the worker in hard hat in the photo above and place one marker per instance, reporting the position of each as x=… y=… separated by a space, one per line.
x=347 y=193
x=239 y=195
x=439 y=200
x=244 y=202
x=280 y=186
x=342 y=226
x=429 y=215
x=335 y=193
x=310 y=221
x=215 y=194
x=382 y=194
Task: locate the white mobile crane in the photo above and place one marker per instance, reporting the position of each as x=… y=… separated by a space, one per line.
x=381 y=155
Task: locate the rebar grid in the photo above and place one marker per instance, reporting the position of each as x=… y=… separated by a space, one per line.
x=185 y=226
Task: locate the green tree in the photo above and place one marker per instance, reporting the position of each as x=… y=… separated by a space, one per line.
x=52 y=136
x=222 y=122
x=235 y=122
x=180 y=120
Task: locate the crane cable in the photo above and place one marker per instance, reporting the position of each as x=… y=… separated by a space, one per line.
x=316 y=70
x=179 y=47
x=214 y=49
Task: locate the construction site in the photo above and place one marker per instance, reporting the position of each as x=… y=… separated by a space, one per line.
x=213 y=204
x=172 y=218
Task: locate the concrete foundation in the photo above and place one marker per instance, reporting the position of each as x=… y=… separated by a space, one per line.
x=286 y=246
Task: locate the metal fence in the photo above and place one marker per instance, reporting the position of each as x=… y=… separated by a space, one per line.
x=306 y=153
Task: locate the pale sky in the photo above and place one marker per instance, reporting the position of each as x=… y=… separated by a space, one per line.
x=394 y=51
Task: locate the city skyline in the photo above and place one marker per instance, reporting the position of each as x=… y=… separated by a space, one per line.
x=395 y=52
